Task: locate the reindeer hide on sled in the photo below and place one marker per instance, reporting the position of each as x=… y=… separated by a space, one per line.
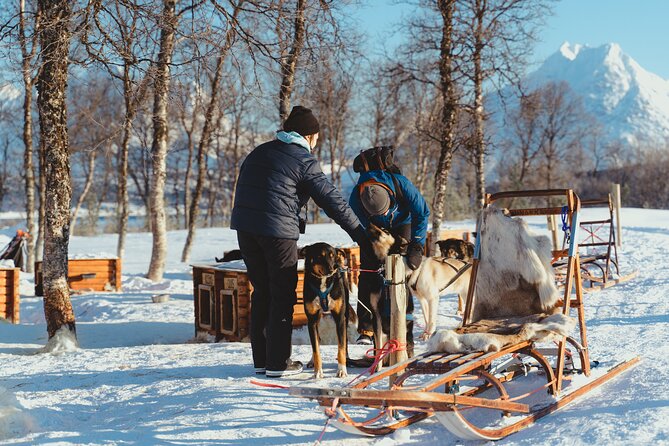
x=515 y=297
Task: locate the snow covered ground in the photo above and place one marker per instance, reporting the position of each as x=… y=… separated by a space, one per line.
x=138 y=379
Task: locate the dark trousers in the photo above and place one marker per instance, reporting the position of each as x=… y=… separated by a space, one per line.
x=371 y=284
x=272 y=267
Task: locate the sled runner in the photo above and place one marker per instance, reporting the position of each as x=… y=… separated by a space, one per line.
x=489 y=393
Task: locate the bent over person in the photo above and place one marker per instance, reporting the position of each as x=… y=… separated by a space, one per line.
x=392 y=202
x=275 y=181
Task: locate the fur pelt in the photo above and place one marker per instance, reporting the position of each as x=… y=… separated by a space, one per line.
x=490 y=335
x=515 y=276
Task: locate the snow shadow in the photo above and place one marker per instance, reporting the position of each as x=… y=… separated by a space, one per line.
x=126 y=334
x=182 y=405
x=26 y=339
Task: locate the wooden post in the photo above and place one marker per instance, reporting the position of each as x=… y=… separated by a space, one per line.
x=552 y=226
x=395 y=275
x=615 y=196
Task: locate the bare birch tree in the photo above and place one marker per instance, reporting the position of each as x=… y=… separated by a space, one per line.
x=54 y=38
x=208 y=127
x=90 y=176
x=289 y=51
x=161 y=85
x=330 y=95
x=497 y=36
x=117 y=38
x=448 y=115
x=28 y=50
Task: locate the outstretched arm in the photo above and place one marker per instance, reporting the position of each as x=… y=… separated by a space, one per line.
x=420 y=212
x=328 y=198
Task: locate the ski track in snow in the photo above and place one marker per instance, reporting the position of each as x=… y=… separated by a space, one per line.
x=139 y=379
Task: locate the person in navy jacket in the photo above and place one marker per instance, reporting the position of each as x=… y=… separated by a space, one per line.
x=390 y=201
x=275 y=181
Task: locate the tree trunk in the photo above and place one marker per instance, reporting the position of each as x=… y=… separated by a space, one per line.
x=235 y=162
x=289 y=62
x=159 y=145
x=175 y=192
x=446 y=7
x=479 y=142
x=29 y=169
x=39 y=245
x=51 y=102
x=123 y=198
x=205 y=137
x=87 y=186
x=189 y=168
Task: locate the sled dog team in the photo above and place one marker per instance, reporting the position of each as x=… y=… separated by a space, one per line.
x=385 y=214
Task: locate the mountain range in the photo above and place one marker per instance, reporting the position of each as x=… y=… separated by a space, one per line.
x=631 y=103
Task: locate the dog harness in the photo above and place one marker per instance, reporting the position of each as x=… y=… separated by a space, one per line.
x=323 y=295
x=458 y=272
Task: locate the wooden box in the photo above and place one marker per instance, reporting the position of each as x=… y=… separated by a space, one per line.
x=9 y=294
x=87 y=275
x=222 y=295
x=444 y=234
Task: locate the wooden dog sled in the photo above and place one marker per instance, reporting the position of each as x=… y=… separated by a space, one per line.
x=599 y=262
x=467 y=392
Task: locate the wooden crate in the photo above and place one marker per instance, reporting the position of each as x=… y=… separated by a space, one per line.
x=9 y=294
x=222 y=297
x=87 y=275
x=444 y=234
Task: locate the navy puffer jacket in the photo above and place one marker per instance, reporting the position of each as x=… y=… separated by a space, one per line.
x=276 y=179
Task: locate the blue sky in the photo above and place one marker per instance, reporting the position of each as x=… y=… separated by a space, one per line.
x=639 y=26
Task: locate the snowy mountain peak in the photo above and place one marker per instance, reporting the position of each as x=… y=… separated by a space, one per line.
x=630 y=102
x=570 y=52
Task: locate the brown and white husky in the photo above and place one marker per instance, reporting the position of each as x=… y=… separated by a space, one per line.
x=428 y=281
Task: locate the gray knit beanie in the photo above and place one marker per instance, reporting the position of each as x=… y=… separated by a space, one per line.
x=375 y=199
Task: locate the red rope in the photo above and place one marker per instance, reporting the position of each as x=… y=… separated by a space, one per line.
x=320 y=437
x=378 y=354
x=392 y=346
x=377 y=271
x=270 y=385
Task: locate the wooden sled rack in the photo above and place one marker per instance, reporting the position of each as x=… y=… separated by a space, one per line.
x=599 y=262
x=481 y=395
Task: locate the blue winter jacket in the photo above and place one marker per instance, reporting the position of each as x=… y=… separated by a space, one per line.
x=415 y=211
x=276 y=179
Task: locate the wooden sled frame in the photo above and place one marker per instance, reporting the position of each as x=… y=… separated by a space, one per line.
x=440 y=393
x=599 y=270
x=602 y=269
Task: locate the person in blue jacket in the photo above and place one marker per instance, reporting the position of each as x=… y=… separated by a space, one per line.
x=390 y=201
